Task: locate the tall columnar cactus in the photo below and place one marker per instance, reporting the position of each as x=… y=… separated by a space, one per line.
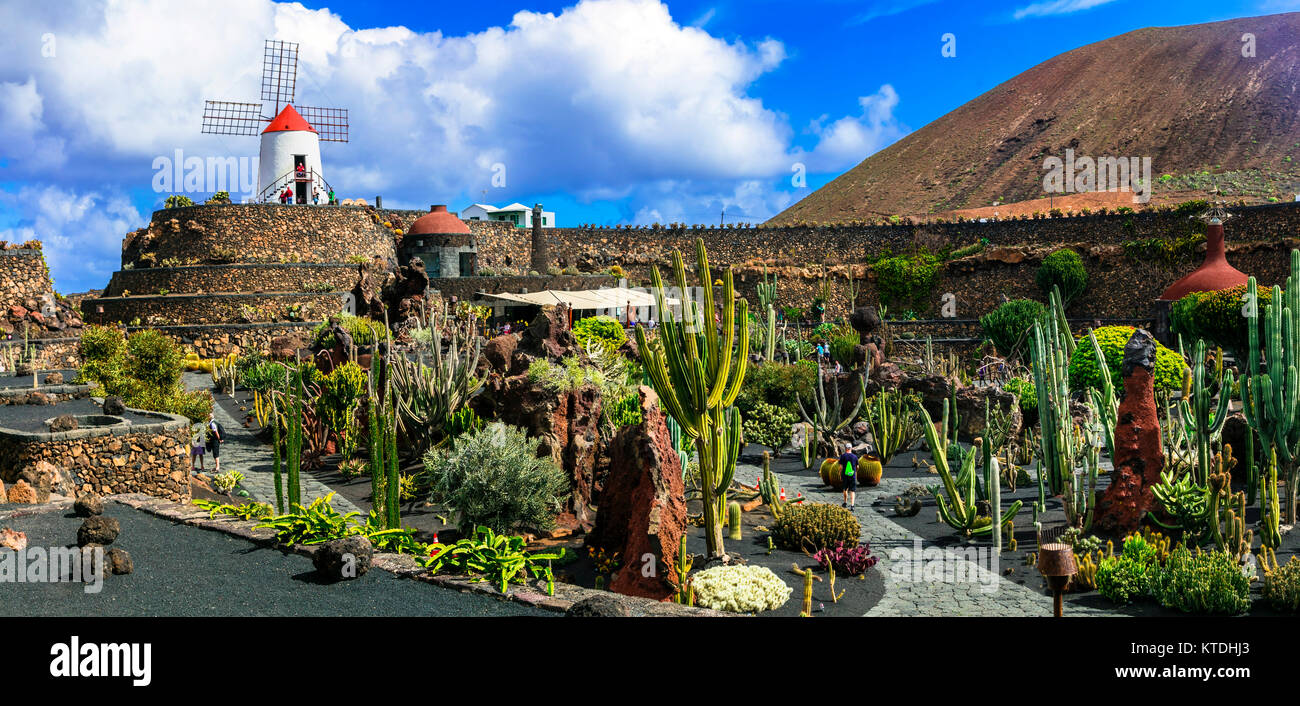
x=697 y=369
x=828 y=417
x=293 y=444
x=1105 y=406
x=382 y=418
x=276 y=473
x=1056 y=308
x=993 y=483
x=1060 y=445
x=1270 y=399
x=959 y=509
x=1203 y=417
x=767 y=304
x=678 y=440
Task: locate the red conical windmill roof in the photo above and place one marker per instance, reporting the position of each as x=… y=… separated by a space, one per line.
x=288 y=119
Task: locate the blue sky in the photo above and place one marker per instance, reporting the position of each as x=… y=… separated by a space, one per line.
x=607 y=111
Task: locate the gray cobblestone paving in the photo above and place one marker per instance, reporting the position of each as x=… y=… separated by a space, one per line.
x=981 y=592
x=245 y=453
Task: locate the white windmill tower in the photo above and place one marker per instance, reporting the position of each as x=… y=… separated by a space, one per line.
x=290 y=150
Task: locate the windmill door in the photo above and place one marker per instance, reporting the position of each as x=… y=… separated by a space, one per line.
x=301 y=184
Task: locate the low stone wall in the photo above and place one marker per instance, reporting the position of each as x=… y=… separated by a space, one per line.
x=199 y=309
x=217 y=340
x=268 y=233
x=49 y=353
x=42 y=394
x=128 y=458
x=288 y=277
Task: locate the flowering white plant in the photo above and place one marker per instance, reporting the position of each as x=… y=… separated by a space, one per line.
x=739 y=589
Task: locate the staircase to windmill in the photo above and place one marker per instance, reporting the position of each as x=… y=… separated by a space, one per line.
x=210 y=306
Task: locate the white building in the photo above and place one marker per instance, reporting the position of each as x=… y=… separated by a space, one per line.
x=516 y=213
x=288 y=142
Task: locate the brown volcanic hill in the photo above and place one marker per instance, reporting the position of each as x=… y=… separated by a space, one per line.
x=1185 y=96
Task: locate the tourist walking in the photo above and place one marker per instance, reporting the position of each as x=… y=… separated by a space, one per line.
x=216 y=435
x=849 y=464
x=197 y=448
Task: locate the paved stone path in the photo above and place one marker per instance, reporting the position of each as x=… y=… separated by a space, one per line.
x=912 y=583
x=246 y=453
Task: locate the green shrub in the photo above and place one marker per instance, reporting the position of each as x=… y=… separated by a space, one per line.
x=144 y=370
x=906 y=279
x=493 y=477
x=177 y=201
x=1008 y=325
x=1083 y=364
x=776 y=384
x=1282 y=587
x=1208 y=582
x=1127 y=577
x=603 y=330
x=1025 y=391
x=154 y=359
x=1063 y=269
x=769 y=425
x=813 y=526
x=842 y=347
x=364 y=331
x=1218 y=317
x=341 y=393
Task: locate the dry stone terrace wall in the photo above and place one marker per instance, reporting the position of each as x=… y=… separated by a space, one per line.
x=219 y=233
x=195 y=309
x=222 y=340
x=150 y=458
x=23 y=276
x=289 y=277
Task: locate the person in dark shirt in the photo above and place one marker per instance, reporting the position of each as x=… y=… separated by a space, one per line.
x=849 y=472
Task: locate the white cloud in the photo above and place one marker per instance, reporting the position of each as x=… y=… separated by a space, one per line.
x=849 y=140
x=81 y=232
x=1057 y=7
x=608 y=99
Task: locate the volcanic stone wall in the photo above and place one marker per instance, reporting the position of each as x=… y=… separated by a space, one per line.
x=179 y=309
x=503 y=248
x=596 y=248
x=252 y=233
x=288 y=277
x=23 y=276
x=151 y=458
x=219 y=340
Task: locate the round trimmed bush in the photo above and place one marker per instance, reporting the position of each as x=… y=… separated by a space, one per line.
x=1217 y=317
x=603 y=330
x=1064 y=269
x=1111 y=339
x=1007 y=325
x=813 y=526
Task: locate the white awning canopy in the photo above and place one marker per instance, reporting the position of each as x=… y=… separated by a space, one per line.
x=585 y=299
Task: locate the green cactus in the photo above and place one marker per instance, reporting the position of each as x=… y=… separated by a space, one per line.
x=766 y=291
x=1270 y=399
x=733 y=520
x=958 y=509
x=993 y=484
x=1202 y=423
x=697 y=369
x=1105 y=406
x=1060 y=446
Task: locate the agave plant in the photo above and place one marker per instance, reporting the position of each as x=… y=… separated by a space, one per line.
x=428 y=396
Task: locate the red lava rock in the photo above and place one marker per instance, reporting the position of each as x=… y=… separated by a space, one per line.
x=1138 y=454
x=498 y=351
x=643 y=506
x=22 y=493
x=17 y=312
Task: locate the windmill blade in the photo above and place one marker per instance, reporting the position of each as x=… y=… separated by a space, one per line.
x=227 y=118
x=331 y=123
x=279 y=72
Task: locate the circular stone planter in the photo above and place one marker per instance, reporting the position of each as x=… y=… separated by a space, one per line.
x=94 y=421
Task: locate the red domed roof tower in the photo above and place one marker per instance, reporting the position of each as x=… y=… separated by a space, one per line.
x=1213 y=274
x=438 y=221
